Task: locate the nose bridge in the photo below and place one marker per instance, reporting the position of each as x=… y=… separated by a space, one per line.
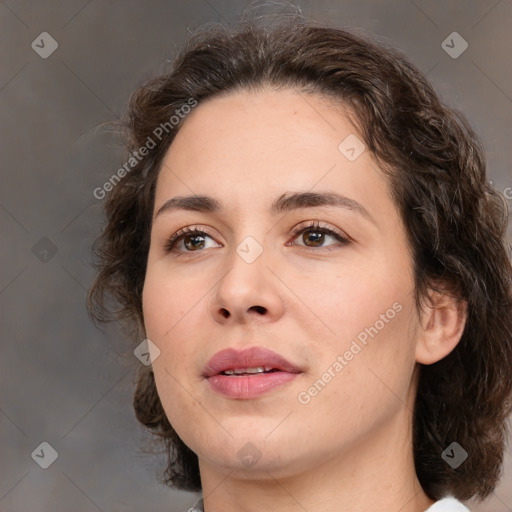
x=250 y=241
x=247 y=286
x=248 y=265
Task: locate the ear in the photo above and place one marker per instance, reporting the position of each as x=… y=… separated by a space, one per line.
x=442 y=327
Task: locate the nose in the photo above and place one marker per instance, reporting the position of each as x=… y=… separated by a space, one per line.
x=248 y=291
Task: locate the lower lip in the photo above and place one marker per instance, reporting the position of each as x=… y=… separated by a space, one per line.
x=249 y=386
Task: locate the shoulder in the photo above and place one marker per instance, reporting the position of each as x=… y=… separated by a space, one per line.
x=448 y=504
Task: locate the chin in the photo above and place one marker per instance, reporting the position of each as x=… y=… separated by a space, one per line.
x=253 y=456
x=253 y=464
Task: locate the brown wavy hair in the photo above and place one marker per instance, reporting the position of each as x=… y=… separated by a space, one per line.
x=434 y=163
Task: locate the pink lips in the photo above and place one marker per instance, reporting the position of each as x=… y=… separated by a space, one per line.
x=248 y=385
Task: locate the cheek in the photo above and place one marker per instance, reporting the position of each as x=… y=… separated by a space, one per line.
x=169 y=319
x=362 y=383
x=370 y=310
x=168 y=299
x=174 y=308
x=362 y=296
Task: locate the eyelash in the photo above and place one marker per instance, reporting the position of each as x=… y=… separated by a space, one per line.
x=170 y=245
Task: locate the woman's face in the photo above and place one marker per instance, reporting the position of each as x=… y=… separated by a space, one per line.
x=335 y=301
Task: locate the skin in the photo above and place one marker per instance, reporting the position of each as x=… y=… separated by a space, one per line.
x=350 y=447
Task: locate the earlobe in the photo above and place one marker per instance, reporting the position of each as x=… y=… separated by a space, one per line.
x=442 y=327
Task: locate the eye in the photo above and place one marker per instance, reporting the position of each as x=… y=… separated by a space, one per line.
x=315 y=235
x=192 y=239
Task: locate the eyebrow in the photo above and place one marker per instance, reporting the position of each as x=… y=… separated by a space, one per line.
x=285 y=203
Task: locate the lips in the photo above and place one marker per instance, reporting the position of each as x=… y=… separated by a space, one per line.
x=248 y=373
x=250 y=359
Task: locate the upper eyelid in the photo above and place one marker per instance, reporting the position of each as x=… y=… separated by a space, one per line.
x=322 y=226
x=301 y=225
x=318 y=224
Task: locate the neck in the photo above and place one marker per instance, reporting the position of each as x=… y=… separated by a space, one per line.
x=377 y=474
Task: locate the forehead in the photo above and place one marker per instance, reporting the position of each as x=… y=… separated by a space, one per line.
x=293 y=116
x=251 y=147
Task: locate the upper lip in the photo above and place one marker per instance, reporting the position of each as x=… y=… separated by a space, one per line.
x=232 y=359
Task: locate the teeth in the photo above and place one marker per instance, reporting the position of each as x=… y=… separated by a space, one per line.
x=258 y=369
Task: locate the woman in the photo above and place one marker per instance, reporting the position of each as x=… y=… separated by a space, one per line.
x=308 y=242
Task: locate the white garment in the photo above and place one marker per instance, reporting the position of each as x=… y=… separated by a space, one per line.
x=447 y=504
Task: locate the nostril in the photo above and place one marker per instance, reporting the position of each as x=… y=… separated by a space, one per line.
x=225 y=313
x=259 y=309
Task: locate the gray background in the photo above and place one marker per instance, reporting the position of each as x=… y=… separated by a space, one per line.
x=63 y=381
